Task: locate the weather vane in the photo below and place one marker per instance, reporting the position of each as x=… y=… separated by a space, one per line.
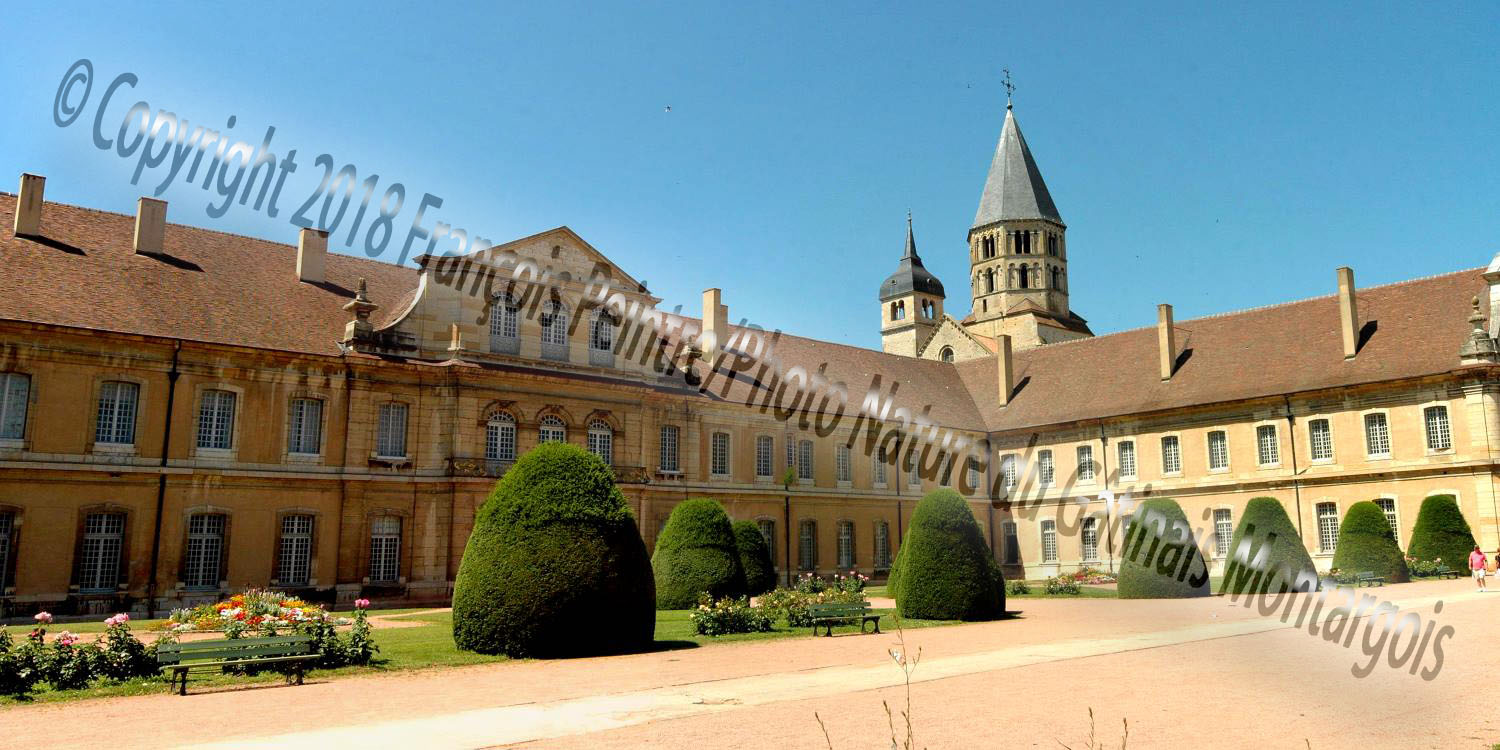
x=1010 y=88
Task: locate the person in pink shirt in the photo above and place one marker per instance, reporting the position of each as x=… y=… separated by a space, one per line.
x=1477 y=563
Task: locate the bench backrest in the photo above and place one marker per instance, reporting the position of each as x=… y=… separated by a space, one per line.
x=1365 y=576
x=234 y=648
x=837 y=609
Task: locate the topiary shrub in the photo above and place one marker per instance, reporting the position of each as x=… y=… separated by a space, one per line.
x=1367 y=544
x=1160 y=559
x=1442 y=534
x=755 y=558
x=1266 y=553
x=944 y=569
x=695 y=554
x=553 y=547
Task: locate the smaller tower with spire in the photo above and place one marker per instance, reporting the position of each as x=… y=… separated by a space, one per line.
x=911 y=303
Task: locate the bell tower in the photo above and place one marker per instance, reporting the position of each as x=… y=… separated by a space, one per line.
x=911 y=303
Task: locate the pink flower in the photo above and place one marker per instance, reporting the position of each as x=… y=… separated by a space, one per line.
x=361 y=603
x=67 y=639
x=109 y=622
x=122 y=618
x=44 y=618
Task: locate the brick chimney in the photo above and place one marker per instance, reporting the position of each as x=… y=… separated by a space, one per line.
x=715 y=325
x=1007 y=375
x=29 y=205
x=312 y=251
x=1166 y=341
x=150 y=226
x=1348 y=313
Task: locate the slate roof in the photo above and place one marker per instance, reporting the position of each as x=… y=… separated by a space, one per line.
x=910 y=274
x=1014 y=188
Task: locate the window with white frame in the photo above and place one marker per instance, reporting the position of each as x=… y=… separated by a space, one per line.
x=768 y=532
x=807 y=545
x=805 y=460
x=115 y=422
x=390 y=431
x=551 y=429
x=1388 y=507
x=1008 y=472
x=602 y=332
x=1320 y=440
x=304 y=431
x=294 y=557
x=878 y=467
x=1267 y=447
x=14 y=398
x=554 y=319
x=205 y=551
x=1171 y=455
x=7 y=531
x=385 y=549
x=1435 y=420
x=601 y=440
x=882 y=545
x=718 y=449
x=500 y=437
x=666 y=455
x=99 y=558
x=791 y=458
x=1089 y=535
x=1377 y=436
x=765 y=448
x=1125 y=450
x=1049 y=541
x=1012 y=542
x=1085 y=463
x=1218 y=450
x=846 y=545
x=841 y=463
x=216 y=419
x=913 y=475
x=1328 y=527
x=1045 y=471
x=971 y=472
x=504 y=325
x=1223 y=531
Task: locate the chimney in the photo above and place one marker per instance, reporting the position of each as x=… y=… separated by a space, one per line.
x=312 y=250
x=150 y=226
x=29 y=205
x=1348 y=313
x=1007 y=375
x=1166 y=341
x=715 y=325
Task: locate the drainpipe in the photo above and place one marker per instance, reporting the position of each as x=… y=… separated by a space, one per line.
x=161 y=482
x=1291 y=429
x=1109 y=526
x=786 y=530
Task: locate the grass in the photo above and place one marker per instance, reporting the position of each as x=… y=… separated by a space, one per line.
x=1039 y=591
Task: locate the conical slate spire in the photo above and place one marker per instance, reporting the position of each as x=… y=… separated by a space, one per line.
x=1014 y=188
x=910 y=275
x=911 y=242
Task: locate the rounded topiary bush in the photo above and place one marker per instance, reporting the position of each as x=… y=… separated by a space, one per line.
x=1367 y=544
x=1269 y=543
x=696 y=553
x=1160 y=559
x=755 y=558
x=1442 y=533
x=554 y=546
x=944 y=569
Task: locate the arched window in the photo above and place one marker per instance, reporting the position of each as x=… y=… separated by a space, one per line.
x=553 y=430
x=1056 y=277
x=1025 y=277
x=602 y=339
x=946 y=354
x=500 y=437
x=601 y=440
x=555 y=330
x=504 y=321
x=989 y=280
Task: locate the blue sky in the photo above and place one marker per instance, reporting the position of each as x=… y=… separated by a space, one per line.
x=1215 y=158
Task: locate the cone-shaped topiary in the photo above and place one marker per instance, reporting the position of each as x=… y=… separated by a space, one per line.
x=696 y=552
x=755 y=558
x=554 y=546
x=1160 y=559
x=1442 y=533
x=944 y=569
x=1269 y=543
x=1367 y=544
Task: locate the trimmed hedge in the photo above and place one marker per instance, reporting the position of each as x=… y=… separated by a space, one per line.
x=1160 y=559
x=1442 y=533
x=1367 y=544
x=697 y=553
x=1277 y=561
x=944 y=569
x=755 y=558
x=554 y=546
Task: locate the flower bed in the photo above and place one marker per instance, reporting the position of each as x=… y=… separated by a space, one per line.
x=728 y=615
x=792 y=604
x=254 y=611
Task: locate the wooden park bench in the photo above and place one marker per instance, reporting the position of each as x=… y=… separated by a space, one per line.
x=1443 y=571
x=1367 y=578
x=828 y=615
x=177 y=659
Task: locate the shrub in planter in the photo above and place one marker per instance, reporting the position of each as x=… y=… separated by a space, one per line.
x=1367 y=544
x=755 y=558
x=1266 y=553
x=729 y=615
x=553 y=548
x=1160 y=559
x=944 y=570
x=695 y=554
x=1441 y=534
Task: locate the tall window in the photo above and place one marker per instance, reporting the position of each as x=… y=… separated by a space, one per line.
x=552 y=430
x=216 y=420
x=1049 y=541
x=913 y=475
x=882 y=545
x=602 y=332
x=1435 y=419
x=805 y=460
x=768 y=532
x=504 y=332
x=294 y=558
x=1218 y=450
x=666 y=456
x=1171 y=455
x=765 y=448
x=1085 y=463
x=304 y=431
x=601 y=439
x=807 y=545
x=846 y=545
x=791 y=459
x=1267 y=447
x=13 y=400
x=554 y=320
x=99 y=561
x=1328 y=527
x=115 y=423
x=205 y=551
x=971 y=466
x=1320 y=440
x=500 y=437
x=1090 y=539
x=1044 y=469
x=1126 y=451
x=390 y=434
x=878 y=467
x=1012 y=542
x=1388 y=506
x=1377 y=436
x=1223 y=531
x=7 y=530
x=841 y=463
x=718 y=449
x=1008 y=472
x=385 y=549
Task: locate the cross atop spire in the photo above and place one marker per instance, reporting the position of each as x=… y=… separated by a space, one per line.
x=1010 y=88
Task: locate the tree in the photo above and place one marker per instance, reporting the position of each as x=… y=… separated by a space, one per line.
x=1266 y=553
x=1160 y=559
x=1367 y=544
x=554 y=546
x=944 y=569
x=696 y=553
x=1442 y=533
x=755 y=558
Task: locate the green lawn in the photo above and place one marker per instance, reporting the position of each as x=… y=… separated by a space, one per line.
x=1038 y=591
